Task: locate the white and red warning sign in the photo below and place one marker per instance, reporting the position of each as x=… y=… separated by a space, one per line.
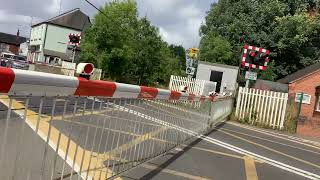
x=255 y=57
x=74 y=39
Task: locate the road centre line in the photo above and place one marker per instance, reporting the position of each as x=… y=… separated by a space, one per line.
x=270 y=149
x=256 y=137
x=279 y=135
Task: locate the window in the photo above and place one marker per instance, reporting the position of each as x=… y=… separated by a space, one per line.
x=305 y=99
x=318 y=105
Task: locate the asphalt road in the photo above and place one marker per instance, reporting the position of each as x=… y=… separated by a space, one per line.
x=197 y=159
x=204 y=160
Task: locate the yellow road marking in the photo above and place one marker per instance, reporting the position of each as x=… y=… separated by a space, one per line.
x=250 y=167
x=271 y=141
x=176 y=173
x=209 y=150
x=270 y=149
x=132 y=143
x=32 y=118
x=278 y=135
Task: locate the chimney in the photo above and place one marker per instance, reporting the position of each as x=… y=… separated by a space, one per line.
x=18 y=33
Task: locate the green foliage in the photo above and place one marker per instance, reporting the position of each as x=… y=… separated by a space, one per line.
x=289 y=28
x=180 y=53
x=128 y=48
x=215 y=49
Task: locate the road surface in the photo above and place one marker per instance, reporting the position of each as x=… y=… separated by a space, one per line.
x=200 y=158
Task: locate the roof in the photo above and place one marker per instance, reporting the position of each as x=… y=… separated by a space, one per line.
x=270 y=86
x=219 y=65
x=11 y=39
x=300 y=74
x=74 y=19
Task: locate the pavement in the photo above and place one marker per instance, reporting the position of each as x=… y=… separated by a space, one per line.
x=199 y=158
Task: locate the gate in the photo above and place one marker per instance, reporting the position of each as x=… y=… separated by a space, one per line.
x=263 y=107
x=195 y=86
x=55 y=127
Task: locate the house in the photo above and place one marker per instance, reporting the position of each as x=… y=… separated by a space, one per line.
x=11 y=43
x=224 y=75
x=49 y=39
x=306 y=81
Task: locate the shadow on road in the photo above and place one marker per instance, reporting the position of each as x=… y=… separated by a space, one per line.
x=175 y=156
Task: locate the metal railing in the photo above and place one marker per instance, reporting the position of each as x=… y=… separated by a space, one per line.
x=63 y=135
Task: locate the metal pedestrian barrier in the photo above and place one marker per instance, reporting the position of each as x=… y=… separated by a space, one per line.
x=58 y=127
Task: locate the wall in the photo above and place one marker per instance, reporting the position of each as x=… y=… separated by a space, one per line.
x=58 y=37
x=37 y=34
x=37 y=39
x=230 y=73
x=309 y=123
x=14 y=49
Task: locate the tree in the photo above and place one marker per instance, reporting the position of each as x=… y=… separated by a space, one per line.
x=179 y=52
x=215 y=49
x=127 y=48
x=289 y=29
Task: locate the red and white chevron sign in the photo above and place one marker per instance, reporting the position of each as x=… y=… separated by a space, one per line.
x=245 y=54
x=31 y=83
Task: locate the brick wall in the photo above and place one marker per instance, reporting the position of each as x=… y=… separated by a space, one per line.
x=14 y=49
x=310 y=123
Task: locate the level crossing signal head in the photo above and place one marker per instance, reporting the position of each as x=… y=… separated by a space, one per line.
x=255 y=58
x=74 y=39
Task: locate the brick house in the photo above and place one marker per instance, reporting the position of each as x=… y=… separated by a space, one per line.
x=11 y=43
x=306 y=81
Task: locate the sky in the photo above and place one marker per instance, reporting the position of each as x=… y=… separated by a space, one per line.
x=178 y=20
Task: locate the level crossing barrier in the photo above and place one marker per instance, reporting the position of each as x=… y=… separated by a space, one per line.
x=60 y=127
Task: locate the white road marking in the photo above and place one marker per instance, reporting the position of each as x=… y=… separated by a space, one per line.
x=270 y=161
x=313 y=144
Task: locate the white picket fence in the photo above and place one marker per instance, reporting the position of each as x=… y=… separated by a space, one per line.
x=262 y=107
x=195 y=86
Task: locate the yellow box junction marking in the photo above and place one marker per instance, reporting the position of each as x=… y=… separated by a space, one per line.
x=74 y=149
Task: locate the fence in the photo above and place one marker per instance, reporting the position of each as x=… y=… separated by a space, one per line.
x=96 y=74
x=56 y=127
x=262 y=107
x=195 y=86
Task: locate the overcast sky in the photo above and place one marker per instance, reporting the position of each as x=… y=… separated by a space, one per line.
x=177 y=20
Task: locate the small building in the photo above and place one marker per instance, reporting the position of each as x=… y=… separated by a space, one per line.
x=49 y=39
x=11 y=43
x=306 y=81
x=223 y=75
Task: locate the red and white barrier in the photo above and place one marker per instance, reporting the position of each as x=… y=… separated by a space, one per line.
x=31 y=83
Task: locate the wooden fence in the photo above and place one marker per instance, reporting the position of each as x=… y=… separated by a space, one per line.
x=262 y=107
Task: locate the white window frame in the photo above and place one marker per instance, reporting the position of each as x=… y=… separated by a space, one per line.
x=297 y=99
